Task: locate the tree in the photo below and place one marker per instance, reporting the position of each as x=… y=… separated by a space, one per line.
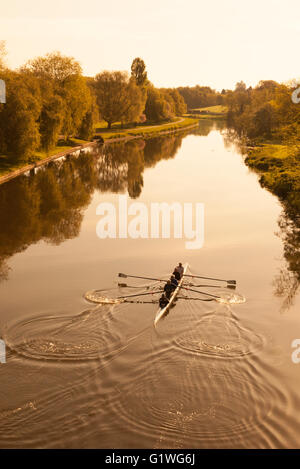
x=65 y=94
x=199 y=96
x=54 y=66
x=118 y=97
x=240 y=86
x=78 y=102
x=156 y=108
x=176 y=101
x=51 y=119
x=19 y=135
x=138 y=72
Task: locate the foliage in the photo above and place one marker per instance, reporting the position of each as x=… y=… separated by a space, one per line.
x=157 y=107
x=19 y=129
x=118 y=97
x=200 y=96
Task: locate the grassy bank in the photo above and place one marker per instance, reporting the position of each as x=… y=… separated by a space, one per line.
x=142 y=130
x=7 y=165
x=279 y=166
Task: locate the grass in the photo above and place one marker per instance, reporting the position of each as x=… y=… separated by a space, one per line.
x=279 y=166
x=145 y=130
x=218 y=110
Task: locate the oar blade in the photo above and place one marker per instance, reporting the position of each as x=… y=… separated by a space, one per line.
x=233 y=287
x=123 y=285
x=122 y=275
x=232 y=282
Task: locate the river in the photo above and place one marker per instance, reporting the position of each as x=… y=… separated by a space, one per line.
x=86 y=375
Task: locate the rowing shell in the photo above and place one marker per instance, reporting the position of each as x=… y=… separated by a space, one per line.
x=162 y=311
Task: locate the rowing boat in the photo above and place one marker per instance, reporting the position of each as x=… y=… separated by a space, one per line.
x=162 y=311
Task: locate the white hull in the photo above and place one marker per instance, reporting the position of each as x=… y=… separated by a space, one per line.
x=162 y=311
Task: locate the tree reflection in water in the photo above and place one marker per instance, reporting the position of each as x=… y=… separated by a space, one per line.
x=49 y=205
x=287 y=282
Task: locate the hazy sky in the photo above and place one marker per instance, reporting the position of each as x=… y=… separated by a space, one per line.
x=183 y=42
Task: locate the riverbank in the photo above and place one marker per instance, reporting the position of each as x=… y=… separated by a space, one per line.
x=279 y=167
x=106 y=136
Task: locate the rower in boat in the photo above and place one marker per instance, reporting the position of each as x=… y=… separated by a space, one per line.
x=179 y=268
x=174 y=282
x=168 y=289
x=176 y=274
x=163 y=301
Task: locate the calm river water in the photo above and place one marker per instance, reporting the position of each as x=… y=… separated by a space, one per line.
x=85 y=375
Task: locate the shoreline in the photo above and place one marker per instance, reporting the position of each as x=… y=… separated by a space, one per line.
x=278 y=173
x=76 y=150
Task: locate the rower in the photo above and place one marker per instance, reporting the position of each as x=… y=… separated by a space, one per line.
x=179 y=268
x=168 y=289
x=174 y=282
x=163 y=301
x=176 y=274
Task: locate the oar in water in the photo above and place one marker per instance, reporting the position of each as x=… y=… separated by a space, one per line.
x=232 y=282
x=198 y=299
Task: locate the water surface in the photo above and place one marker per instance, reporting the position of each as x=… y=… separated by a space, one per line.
x=82 y=375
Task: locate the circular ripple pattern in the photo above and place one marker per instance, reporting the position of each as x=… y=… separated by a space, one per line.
x=219 y=336
x=206 y=406
x=80 y=338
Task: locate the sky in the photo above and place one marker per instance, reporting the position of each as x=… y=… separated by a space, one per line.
x=183 y=42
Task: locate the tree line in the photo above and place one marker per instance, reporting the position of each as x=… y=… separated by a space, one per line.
x=265 y=111
x=201 y=96
x=266 y=119
x=49 y=98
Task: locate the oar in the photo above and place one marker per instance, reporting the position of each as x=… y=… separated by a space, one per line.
x=139 y=294
x=215 y=286
x=210 y=278
x=144 y=278
x=198 y=299
x=163 y=280
x=202 y=292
